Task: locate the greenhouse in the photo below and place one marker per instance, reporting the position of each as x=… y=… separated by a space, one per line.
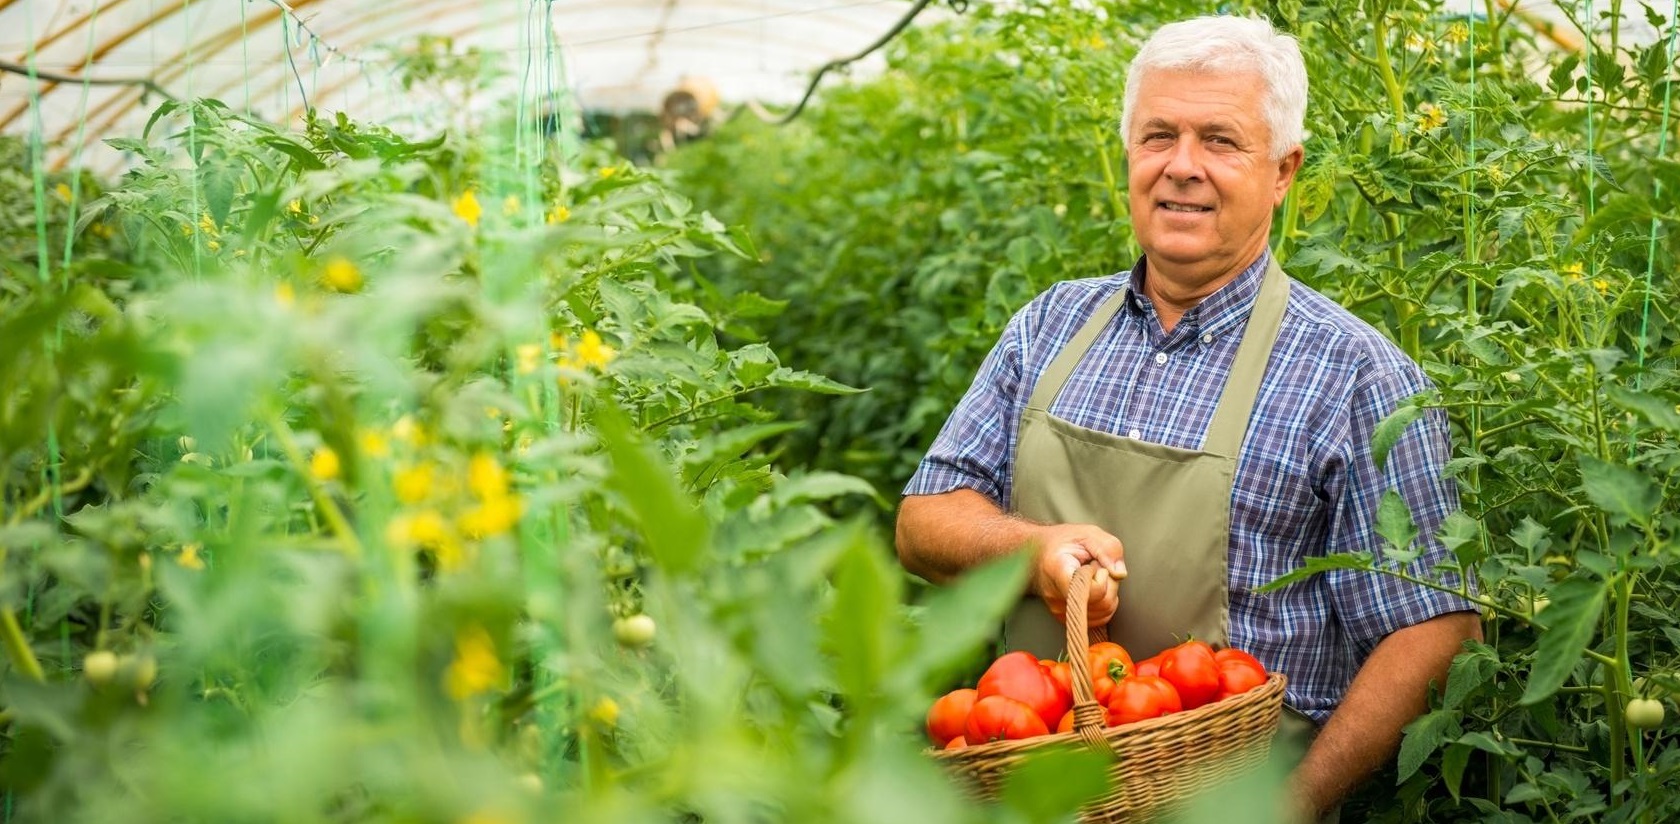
x=839 y=411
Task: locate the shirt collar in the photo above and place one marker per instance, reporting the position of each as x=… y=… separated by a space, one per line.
x=1218 y=312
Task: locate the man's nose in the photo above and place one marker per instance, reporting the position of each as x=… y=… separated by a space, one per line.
x=1185 y=163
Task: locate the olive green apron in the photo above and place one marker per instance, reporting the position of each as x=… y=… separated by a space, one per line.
x=1170 y=507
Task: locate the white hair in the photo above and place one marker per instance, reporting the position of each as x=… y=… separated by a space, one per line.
x=1227 y=45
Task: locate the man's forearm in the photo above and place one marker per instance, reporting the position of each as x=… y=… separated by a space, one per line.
x=1391 y=690
x=940 y=536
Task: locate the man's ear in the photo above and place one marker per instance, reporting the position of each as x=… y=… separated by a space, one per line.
x=1288 y=165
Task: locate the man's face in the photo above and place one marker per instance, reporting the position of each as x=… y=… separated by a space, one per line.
x=1202 y=182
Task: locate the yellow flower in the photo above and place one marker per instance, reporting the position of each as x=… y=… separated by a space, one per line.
x=214 y=245
x=608 y=171
x=1456 y=33
x=285 y=295
x=295 y=206
x=1573 y=271
x=592 y=352
x=323 y=465
x=605 y=712
x=425 y=528
x=557 y=341
x=530 y=357
x=1431 y=117
x=1097 y=42
x=1602 y=285
x=476 y=669
x=413 y=484
x=409 y=431
x=1496 y=174
x=488 y=816
x=510 y=205
x=207 y=226
x=63 y=191
x=486 y=478
x=495 y=516
x=189 y=556
x=373 y=443
x=557 y=214
x=466 y=208
x=341 y=275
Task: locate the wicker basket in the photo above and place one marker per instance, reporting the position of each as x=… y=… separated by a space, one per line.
x=1159 y=763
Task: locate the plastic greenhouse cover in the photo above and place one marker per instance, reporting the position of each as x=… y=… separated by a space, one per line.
x=277 y=57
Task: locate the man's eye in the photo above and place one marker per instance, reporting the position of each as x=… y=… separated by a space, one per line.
x=1222 y=140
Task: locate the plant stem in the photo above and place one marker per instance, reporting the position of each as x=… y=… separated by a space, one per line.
x=348 y=542
x=17 y=646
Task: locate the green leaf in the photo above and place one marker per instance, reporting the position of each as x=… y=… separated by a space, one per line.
x=1659 y=412
x=731 y=444
x=677 y=532
x=1052 y=783
x=1530 y=535
x=1314 y=566
x=799 y=379
x=300 y=154
x=1469 y=671
x=1619 y=490
x=1390 y=429
x=822 y=486
x=862 y=629
x=1569 y=624
x=159 y=113
x=1394 y=524
x=1453 y=762
x=1423 y=737
x=1461 y=534
x=956 y=620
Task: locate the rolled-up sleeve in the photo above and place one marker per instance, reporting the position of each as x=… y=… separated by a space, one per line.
x=1370 y=605
x=975 y=447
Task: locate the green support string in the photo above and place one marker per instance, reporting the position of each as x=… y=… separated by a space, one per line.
x=1656 y=195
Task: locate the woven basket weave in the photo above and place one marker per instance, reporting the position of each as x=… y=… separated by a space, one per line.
x=1159 y=763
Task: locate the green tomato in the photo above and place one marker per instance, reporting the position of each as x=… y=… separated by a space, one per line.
x=1645 y=713
x=634 y=630
x=99 y=666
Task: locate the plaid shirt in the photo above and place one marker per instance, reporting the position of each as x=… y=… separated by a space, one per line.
x=1306 y=484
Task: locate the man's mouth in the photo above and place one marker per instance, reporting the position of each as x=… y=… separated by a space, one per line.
x=1184 y=207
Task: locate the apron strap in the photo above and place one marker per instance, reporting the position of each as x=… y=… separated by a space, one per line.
x=1056 y=374
x=1230 y=419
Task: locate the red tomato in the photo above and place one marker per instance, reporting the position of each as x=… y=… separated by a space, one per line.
x=1017 y=675
x=1237 y=677
x=1233 y=654
x=1109 y=663
x=1061 y=673
x=1191 y=668
x=956 y=743
x=1149 y=666
x=1001 y=718
x=949 y=715
x=1066 y=724
x=1140 y=697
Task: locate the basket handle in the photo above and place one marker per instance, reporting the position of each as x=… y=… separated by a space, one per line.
x=1089 y=717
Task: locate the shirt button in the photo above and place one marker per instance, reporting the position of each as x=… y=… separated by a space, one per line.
x=1134 y=435
x=1160 y=357
x=1207 y=339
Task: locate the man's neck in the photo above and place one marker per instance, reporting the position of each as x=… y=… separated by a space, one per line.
x=1177 y=292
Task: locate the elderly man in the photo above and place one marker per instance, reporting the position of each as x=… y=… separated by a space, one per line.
x=1201 y=424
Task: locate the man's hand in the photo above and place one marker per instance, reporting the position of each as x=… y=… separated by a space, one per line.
x=1062 y=550
x=942 y=536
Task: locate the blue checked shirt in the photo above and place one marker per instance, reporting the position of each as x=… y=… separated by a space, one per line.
x=1306 y=484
